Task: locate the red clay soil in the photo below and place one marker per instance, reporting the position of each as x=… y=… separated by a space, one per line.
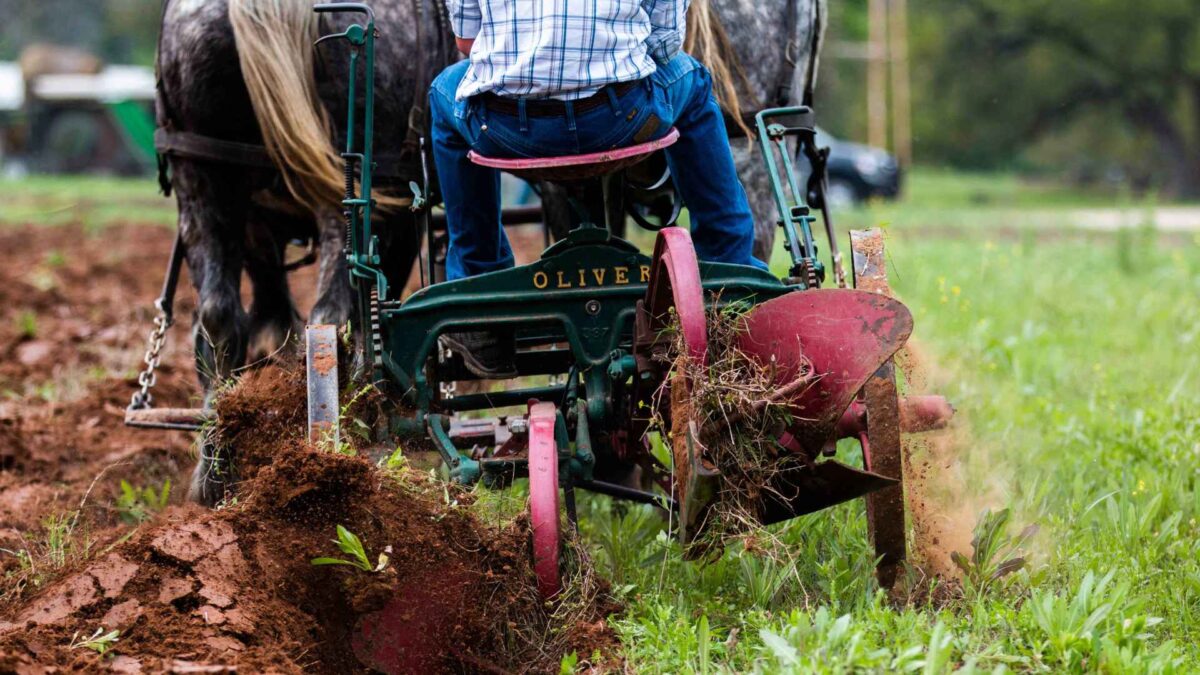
x=73 y=310
x=196 y=590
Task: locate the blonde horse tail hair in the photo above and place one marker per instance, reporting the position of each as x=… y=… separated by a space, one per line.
x=707 y=42
x=275 y=47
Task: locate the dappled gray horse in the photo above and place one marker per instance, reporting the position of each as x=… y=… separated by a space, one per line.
x=775 y=44
x=247 y=107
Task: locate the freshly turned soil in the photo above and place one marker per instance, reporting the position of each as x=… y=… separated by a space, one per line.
x=197 y=590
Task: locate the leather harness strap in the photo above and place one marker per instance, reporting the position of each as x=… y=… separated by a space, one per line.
x=195 y=146
x=185 y=144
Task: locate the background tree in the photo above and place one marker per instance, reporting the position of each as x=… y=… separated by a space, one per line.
x=999 y=76
x=119 y=31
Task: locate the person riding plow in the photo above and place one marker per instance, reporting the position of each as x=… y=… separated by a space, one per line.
x=552 y=77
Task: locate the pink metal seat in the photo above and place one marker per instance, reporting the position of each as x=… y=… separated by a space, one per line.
x=576 y=167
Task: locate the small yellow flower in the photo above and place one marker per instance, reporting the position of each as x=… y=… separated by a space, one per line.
x=989 y=245
x=956 y=290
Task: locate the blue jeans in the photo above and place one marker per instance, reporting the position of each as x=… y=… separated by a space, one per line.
x=678 y=95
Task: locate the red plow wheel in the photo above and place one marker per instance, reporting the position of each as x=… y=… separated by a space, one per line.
x=882 y=452
x=674 y=287
x=674 y=295
x=543 y=498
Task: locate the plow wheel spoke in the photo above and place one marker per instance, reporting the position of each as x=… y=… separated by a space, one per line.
x=882 y=453
x=543 y=498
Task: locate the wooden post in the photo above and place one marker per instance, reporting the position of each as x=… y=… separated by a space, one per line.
x=901 y=96
x=877 y=74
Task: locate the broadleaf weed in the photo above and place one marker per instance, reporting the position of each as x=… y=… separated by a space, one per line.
x=351 y=545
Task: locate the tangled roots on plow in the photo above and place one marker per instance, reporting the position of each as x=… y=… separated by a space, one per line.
x=737 y=411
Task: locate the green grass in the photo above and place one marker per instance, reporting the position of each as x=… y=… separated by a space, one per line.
x=942 y=188
x=1080 y=384
x=1075 y=367
x=940 y=200
x=92 y=202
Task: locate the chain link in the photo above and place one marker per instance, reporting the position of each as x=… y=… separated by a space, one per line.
x=142 y=398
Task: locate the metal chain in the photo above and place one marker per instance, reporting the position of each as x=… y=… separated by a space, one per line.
x=147 y=378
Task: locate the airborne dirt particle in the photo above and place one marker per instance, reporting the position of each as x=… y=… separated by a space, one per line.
x=942 y=503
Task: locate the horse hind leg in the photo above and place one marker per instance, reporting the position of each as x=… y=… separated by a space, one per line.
x=335 y=299
x=275 y=325
x=213 y=204
x=213 y=207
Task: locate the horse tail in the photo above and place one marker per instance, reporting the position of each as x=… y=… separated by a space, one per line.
x=275 y=47
x=274 y=44
x=707 y=42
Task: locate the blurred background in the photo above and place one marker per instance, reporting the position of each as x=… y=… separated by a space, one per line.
x=1101 y=95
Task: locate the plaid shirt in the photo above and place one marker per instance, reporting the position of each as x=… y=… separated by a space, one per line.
x=564 y=49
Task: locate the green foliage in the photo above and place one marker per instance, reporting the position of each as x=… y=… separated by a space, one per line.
x=349 y=424
x=1095 y=625
x=60 y=543
x=994 y=553
x=121 y=31
x=1108 y=78
x=99 y=642
x=351 y=545
x=59 y=538
x=93 y=202
x=395 y=462
x=568 y=664
x=136 y=505
x=27 y=324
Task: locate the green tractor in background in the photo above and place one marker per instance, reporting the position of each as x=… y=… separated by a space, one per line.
x=64 y=111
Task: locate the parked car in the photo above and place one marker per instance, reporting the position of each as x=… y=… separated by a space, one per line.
x=858 y=172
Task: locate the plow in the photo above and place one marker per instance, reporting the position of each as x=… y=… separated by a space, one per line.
x=608 y=327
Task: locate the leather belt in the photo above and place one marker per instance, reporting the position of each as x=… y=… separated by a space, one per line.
x=549 y=107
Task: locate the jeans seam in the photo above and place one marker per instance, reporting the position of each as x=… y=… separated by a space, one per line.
x=508 y=142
